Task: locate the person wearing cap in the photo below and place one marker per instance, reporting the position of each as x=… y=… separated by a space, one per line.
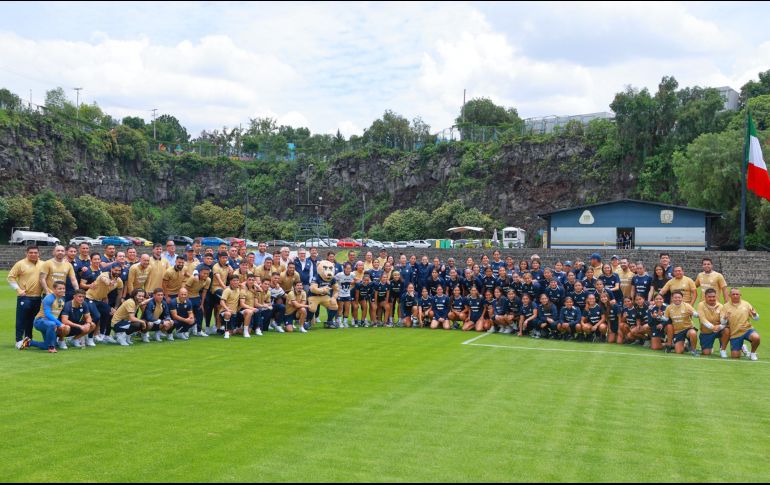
x=197 y=288
x=97 y=298
x=615 y=263
x=566 y=271
x=596 y=263
x=190 y=262
x=174 y=279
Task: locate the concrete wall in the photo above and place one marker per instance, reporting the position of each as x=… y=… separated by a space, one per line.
x=748 y=268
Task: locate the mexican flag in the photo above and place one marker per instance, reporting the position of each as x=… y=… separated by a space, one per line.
x=758 y=178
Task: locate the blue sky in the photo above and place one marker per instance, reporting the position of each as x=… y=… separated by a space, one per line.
x=339 y=66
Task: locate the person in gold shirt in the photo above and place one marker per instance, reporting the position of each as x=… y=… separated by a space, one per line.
x=297 y=307
x=711 y=279
x=100 y=309
x=680 y=315
x=197 y=286
x=24 y=277
x=626 y=276
x=289 y=278
x=158 y=265
x=265 y=271
x=230 y=304
x=47 y=320
x=736 y=314
x=711 y=328
x=681 y=283
x=250 y=292
x=126 y=320
x=57 y=268
x=138 y=274
x=174 y=279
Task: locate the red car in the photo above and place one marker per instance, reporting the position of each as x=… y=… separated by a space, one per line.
x=234 y=241
x=348 y=243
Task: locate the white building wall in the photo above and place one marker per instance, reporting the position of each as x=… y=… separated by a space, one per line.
x=583 y=237
x=684 y=238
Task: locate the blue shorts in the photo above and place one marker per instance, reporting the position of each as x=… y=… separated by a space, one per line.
x=707 y=339
x=737 y=343
x=344 y=299
x=681 y=336
x=474 y=317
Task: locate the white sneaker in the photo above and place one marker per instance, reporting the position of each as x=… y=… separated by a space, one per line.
x=227 y=334
x=280 y=329
x=158 y=337
x=491 y=329
x=90 y=342
x=146 y=338
x=258 y=332
x=273 y=326
x=246 y=333
x=109 y=340
x=185 y=335
x=77 y=343
x=202 y=334
x=129 y=339
x=212 y=330
x=507 y=331
x=122 y=339
x=723 y=353
x=19 y=344
x=99 y=338
x=63 y=345
x=745 y=350
x=302 y=329
x=754 y=356
x=170 y=337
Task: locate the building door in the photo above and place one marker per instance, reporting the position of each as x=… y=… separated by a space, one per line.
x=625 y=238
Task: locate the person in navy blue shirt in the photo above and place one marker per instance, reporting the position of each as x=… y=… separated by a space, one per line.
x=579 y=296
x=363 y=294
x=611 y=282
x=501 y=311
x=504 y=282
x=396 y=287
x=589 y=281
x=440 y=310
x=628 y=318
x=475 y=304
x=538 y=277
x=612 y=316
x=408 y=307
x=423 y=273
x=496 y=262
x=489 y=282
x=181 y=311
x=528 y=315
x=434 y=283
x=458 y=308
x=554 y=293
x=569 y=283
x=569 y=318
x=642 y=282
x=453 y=281
x=77 y=317
x=548 y=317
x=425 y=301
x=594 y=322
x=380 y=290
x=528 y=288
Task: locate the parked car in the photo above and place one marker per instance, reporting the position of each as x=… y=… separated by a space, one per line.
x=420 y=244
x=75 y=241
x=251 y=244
x=144 y=242
x=348 y=243
x=133 y=240
x=116 y=241
x=180 y=240
x=401 y=244
x=213 y=241
x=277 y=243
x=22 y=235
x=389 y=245
x=235 y=241
x=431 y=242
x=315 y=243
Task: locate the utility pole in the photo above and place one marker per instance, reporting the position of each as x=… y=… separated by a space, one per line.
x=463 y=110
x=363 y=218
x=77 y=107
x=154 y=134
x=307 y=181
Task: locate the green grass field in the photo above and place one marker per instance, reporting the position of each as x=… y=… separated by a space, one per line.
x=381 y=405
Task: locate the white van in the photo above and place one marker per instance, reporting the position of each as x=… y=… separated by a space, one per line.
x=514 y=237
x=22 y=235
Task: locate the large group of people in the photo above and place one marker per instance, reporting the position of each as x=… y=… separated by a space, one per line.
x=83 y=298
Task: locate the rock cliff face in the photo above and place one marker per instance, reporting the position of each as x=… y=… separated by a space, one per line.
x=513 y=183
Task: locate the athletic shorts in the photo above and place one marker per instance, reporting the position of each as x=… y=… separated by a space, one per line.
x=737 y=343
x=614 y=326
x=681 y=336
x=572 y=325
x=474 y=317
x=344 y=299
x=408 y=310
x=154 y=327
x=238 y=316
x=707 y=339
x=394 y=298
x=75 y=330
x=655 y=333
x=218 y=294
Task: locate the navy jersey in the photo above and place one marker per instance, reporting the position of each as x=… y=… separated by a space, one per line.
x=451 y=284
x=555 y=296
x=589 y=285
x=183 y=310
x=490 y=305
x=422 y=273
x=579 y=299
x=322 y=283
x=614 y=314
x=568 y=287
x=396 y=288
x=502 y=306
x=609 y=294
x=544 y=312
x=476 y=306
x=233 y=263
x=458 y=303
x=594 y=315
x=364 y=291
x=527 y=310
x=659 y=311
x=505 y=285
x=570 y=315
x=538 y=276
x=610 y=282
x=375 y=275
x=531 y=290
x=380 y=291
x=642 y=315
x=408 y=301
x=497 y=265
x=76 y=315
x=630 y=315
x=425 y=303
x=642 y=285
x=489 y=283
x=440 y=306
x=90 y=275
x=149 y=311
x=471 y=283
x=433 y=284
x=658 y=285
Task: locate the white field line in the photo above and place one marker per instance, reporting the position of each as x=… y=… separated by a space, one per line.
x=581 y=351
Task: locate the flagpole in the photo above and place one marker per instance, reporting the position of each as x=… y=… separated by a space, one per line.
x=744 y=175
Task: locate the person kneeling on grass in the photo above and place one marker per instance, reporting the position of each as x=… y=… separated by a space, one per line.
x=736 y=313
x=181 y=310
x=594 y=323
x=230 y=304
x=47 y=320
x=612 y=315
x=501 y=313
x=528 y=317
x=680 y=314
x=158 y=318
x=77 y=318
x=440 y=310
x=657 y=324
x=569 y=319
x=296 y=308
x=408 y=307
x=548 y=316
x=458 y=307
x=425 y=311
x=125 y=321
x=475 y=305
x=711 y=328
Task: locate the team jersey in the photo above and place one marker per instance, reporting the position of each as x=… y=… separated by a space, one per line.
x=451 y=284
x=56 y=271
x=433 y=284
x=157 y=311
x=470 y=283
x=685 y=285
x=626 y=285
x=505 y=285
x=195 y=286
x=346 y=283
x=738 y=319
x=232 y=298
x=155 y=279
x=488 y=284
x=54 y=304
x=570 y=315
x=322 y=283
x=276 y=293
x=396 y=288
x=128 y=308
x=593 y=314
x=287 y=281
x=102 y=287
x=642 y=285
x=615 y=311
x=555 y=296
x=408 y=301
x=380 y=291
x=440 y=306
x=476 y=306
x=529 y=289
x=680 y=316
x=502 y=306
x=538 y=276
x=250 y=295
x=75 y=314
x=589 y=285
x=609 y=283
x=527 y=310
x=642 y=315
x=579 y=299
x=458 y=304
x=709 y=314
x=137 y=277
x=223 y=272
x=183 y=309
x=293 y=298
x=375 y=274
x=27 y=276
x=660 y=312
x=425 y=303
x=489 y=305
x=497 y=265
x=174 y=280
x=630 y=315
x=544 y=312
x=568 y=287
x=711 y=280
x=364 y=291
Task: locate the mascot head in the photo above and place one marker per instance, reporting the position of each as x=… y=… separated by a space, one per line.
x=326 y=270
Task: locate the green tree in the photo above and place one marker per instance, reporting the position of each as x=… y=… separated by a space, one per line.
x=484 y=112
x=19 y=210
x=168 y=129
x=56 y=98
x=134 y=122
x=755 y=88
x=9 y=100
x=211 y=219
x=133 y=145
x=3 y=212
x=406 y=224
x=392 y=131
x=92 y=216
x=123 y=215
x=50 y=215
